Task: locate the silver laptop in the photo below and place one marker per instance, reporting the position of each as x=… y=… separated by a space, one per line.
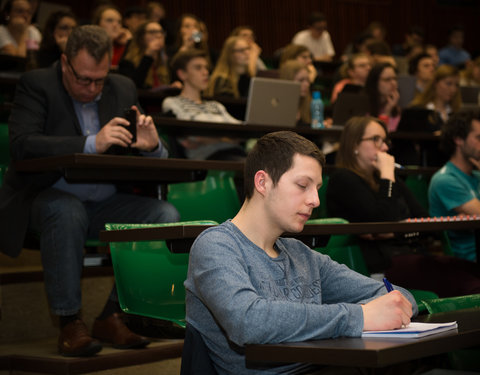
x=272 y=102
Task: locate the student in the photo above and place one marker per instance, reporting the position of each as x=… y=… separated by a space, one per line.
x=355 y=72
x=246 y=285
x=422 y=66
x=442 y=94
x=17 y=34
x=109 y=18
x=316 y=38
x=382 y=90
x=296 y=71
x=191 y=66
x=365 y=188
x=301 y=54
x=255 y=62
x=145 y=60
x=231 y=76
x=58 y=27
x=454 y=189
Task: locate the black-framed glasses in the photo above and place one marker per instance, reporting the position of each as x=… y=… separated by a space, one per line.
x=85 y=81
x=156 y=32
x=378 y=141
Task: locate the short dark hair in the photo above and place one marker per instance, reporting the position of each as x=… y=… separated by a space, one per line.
x=92 y=38
x=134 y=10
x=413 y=63
x=316 y=17
x=416 y=30
x=182 y=58
x=274 y=153
x=458 y=125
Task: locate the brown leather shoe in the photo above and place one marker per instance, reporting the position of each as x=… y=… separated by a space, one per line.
x=75 y=341
x=115 y=332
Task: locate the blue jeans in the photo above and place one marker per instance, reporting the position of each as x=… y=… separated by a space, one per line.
x=65 y=223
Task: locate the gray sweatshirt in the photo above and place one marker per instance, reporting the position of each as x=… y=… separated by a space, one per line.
x=237 y=295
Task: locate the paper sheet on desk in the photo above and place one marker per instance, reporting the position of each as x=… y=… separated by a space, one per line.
x=413 y=330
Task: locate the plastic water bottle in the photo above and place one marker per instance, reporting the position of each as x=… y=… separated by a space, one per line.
x=316 y=110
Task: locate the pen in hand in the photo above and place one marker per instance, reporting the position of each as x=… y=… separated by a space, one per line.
x=388 y=286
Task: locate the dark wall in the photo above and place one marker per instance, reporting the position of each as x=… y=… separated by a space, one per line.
x=276 y=21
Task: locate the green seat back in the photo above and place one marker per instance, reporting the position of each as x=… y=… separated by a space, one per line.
x=214 y=198
x=418 y=185
x=437 y=305
x=343 y=248
x=465 y=359
x=149 y=277
x=4 y=145
x=320 y=212
x=420 y=296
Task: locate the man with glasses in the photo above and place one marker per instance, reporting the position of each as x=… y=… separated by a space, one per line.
x=76 y=106
x=316 y=38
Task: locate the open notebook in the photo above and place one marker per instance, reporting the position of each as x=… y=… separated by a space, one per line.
x=413 y=330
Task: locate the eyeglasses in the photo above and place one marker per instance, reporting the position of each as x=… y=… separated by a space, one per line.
x=86 y=81
x=378 y=141
x=389 y=79
x=242 y=50
x=155 y=32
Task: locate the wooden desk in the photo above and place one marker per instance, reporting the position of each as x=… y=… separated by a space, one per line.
x=182 y=128
x=375 y=352
x=113 y=168
x=180 y=237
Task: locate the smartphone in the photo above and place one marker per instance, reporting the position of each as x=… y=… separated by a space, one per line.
x=131 y=116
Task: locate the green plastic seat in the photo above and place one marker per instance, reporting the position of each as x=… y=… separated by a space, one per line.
x=214 y=198
x=437 y=305
x=343 y=249
x=320 y=212
x=418 y=185
x=420 y=296
x=465 y=359
x=149 y=277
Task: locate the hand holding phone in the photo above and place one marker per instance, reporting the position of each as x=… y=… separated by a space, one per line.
x=131 y=116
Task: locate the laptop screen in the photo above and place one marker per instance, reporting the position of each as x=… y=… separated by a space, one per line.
x=272 y=102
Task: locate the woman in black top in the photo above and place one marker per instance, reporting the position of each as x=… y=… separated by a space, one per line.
x=365 y=188
x=58 y=27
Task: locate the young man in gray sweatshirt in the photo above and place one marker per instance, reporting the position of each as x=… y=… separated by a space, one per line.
x=248 y=285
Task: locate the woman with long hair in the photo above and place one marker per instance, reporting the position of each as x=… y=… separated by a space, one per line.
x=296 y=71
x=365 y=188
x=109 y=18
x=442 y=94
x=231 y=76
x=145 y=60
x=471 y=75
x=58 y=27
x=382 y=90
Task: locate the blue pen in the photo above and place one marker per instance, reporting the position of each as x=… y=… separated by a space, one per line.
x=388 y=286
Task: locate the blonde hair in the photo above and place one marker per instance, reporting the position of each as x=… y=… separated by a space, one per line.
x=288 y=71
x=224 y=70
x=428 y=95
x=467 y=74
